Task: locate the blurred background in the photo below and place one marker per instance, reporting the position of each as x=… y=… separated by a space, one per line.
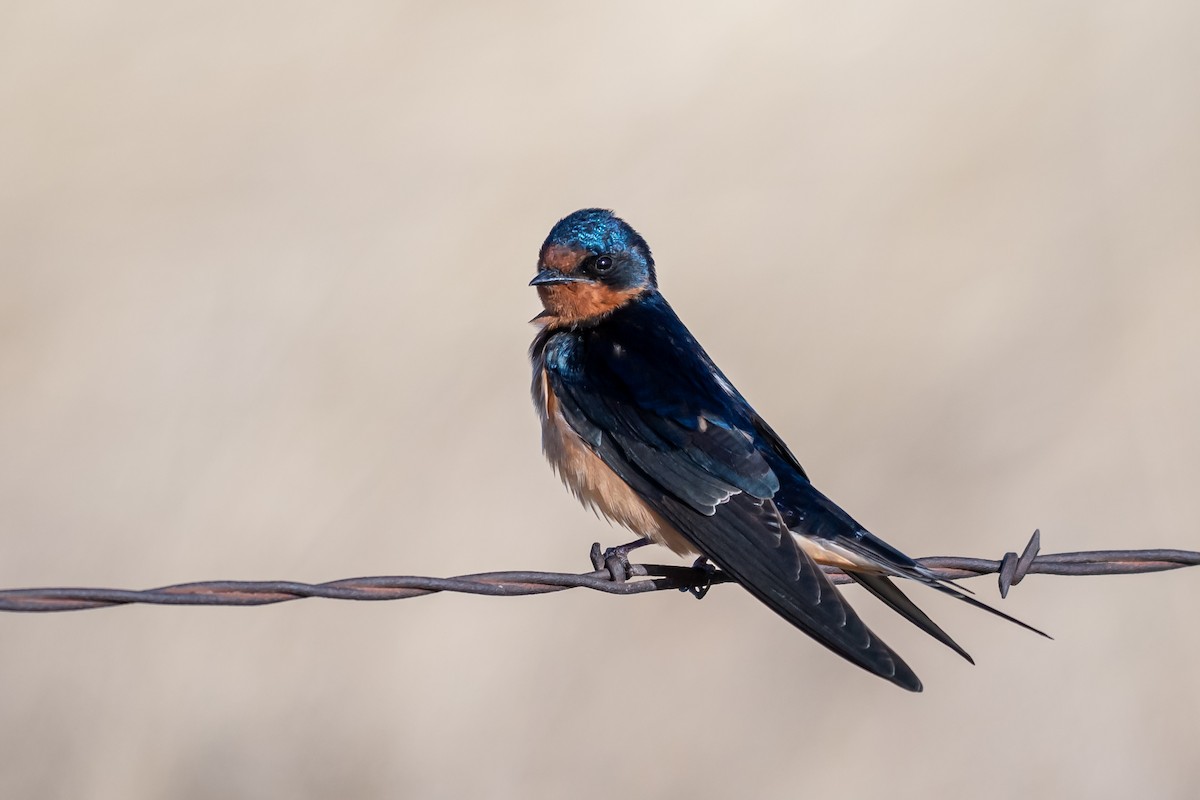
x=263 y=315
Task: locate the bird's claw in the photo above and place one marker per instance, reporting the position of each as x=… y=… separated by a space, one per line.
x=708 y=569
x=615 y=559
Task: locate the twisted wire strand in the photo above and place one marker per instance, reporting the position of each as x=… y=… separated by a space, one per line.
x=612 y=575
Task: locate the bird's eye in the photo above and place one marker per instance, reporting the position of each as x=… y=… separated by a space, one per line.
x=603 y=264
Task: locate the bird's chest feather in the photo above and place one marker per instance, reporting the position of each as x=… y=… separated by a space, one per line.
x=591 y=480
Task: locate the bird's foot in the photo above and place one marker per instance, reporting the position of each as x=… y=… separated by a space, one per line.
x=615 y=559
x=708 y=569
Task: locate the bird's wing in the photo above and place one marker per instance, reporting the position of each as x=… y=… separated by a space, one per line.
x=681 y=437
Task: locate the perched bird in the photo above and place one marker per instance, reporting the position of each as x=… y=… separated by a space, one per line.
x=641 y=425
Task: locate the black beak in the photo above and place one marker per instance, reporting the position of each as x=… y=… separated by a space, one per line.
x=552 y=277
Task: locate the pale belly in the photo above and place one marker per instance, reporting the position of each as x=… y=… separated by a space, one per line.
x=597 y=486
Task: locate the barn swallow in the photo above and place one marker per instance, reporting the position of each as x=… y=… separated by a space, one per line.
x=642 y=426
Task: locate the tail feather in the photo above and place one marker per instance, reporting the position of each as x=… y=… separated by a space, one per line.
x=877 y=553
x=955 y=591
x=891 y=594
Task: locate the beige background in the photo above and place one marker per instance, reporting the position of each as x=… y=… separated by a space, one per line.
x=263 y=315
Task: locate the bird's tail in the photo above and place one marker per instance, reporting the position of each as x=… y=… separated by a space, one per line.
x=876 y=553
x=882 y=587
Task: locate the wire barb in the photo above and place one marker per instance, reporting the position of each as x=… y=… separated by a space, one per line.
x=612 y=574
x=1014 y=569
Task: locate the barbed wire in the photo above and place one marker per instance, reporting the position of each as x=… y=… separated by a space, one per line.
x=612 y=574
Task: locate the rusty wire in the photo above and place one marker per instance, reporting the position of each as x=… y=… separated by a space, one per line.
x=611 y=574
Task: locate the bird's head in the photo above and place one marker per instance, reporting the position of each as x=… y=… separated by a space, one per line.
x=591 y=264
